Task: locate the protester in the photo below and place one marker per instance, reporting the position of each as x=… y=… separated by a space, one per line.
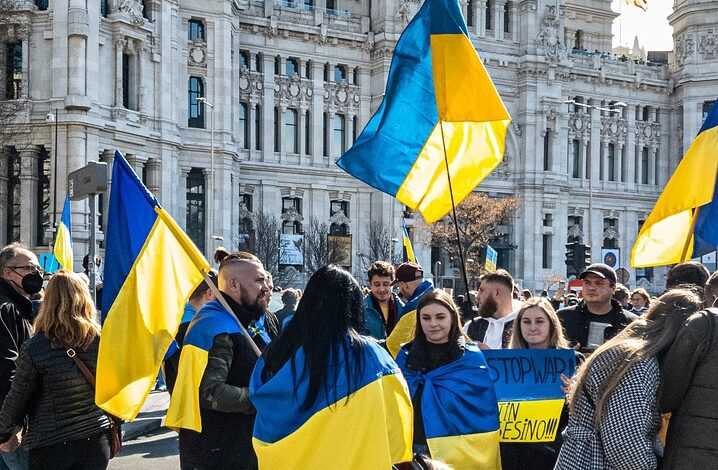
x=689 y=273
x=220 y=254
x=690 y=386
x=66 y=429
x=412 y=286
x=615 y=417
x=381 y=305
x=451 y=387
x=598 y=317
x=710 y=293
x=227 y=416
x=323 y=392
x=201 y=296
x=20 y=279
x=492 y=327
x=290 y=299
x=526 y=294
x=640 y=300
x=536 y=327
x=267 y=326
x=623 y=296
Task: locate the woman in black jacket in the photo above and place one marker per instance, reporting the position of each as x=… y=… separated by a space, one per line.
x=65 y=428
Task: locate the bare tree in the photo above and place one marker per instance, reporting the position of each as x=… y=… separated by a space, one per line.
x=316 y=245
x=266 y=246
x=379 y=242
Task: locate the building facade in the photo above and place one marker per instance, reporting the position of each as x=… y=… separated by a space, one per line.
x=232 y=110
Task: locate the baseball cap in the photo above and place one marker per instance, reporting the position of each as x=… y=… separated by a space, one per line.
x=601 y=270
x=407 y=272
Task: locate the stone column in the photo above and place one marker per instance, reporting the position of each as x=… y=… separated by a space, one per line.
x=595 y=145
x=481 y=18
x=182 y=200
x=653 y=165
x=25 y=83
x=583 y=145
x=630 y=155
x=119 y=49
x=639 y=163
x=142 y=52
x=268 y=110
x=252 y=123
x=328 y=134
x=29 y=203
x=77 y=33
x=280 y=126
x=620 y=162
x=498 y=19
x=514 y=21
x=301 y=116
x=154 y=174
x=137 y=164
x=317 y=114
x=560 y=151
x=108 y=156
x=605 y=170
x=302 y=68
x=349 y=128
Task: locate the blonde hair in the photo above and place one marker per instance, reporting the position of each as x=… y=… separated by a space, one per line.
x=646 y=337
x=556 y=338
x=67 y=313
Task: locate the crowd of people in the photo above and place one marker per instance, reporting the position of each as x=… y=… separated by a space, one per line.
x=641 y=397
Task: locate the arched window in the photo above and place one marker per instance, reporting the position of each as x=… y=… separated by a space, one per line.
x=291 y=136
x=196 y=108
x=340 y=73
x=292 y=67
x=196 y=31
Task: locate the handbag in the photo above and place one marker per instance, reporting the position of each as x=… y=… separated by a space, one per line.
x=115 y=423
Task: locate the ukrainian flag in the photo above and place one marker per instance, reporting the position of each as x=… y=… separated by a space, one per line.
x=63 y=239
x=439 y=98
x=460 y=411
x=152 y=269
x=408 y=248
x=368 y=427
x=684 y=222
x=212 y=320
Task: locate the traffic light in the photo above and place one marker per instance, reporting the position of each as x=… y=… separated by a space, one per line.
x=571 y=252
x=583 y=257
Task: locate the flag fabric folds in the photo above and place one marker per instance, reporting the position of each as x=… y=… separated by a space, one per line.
x=684 y=222
x=63 y=239
x=439 y=98
x=369 y=426
x=642 y=4
x=408 y=247
x=152 y=269
x=212 y=320
x=459 y=411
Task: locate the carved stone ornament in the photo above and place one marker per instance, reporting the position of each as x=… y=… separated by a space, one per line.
x=407 y=9
x=708 y=45
x=574 y=231
x=132 y=9
x=291 y=215
x=340 y=218
x=548 y=37
x=342 y=95
x=292 y=91
x=198 y=56
x=610 y=233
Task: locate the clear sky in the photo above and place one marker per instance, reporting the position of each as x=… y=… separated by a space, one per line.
x=650 y=26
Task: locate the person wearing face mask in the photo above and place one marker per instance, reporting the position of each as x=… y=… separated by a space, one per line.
x=491 y=329
x=227 y=415
x=20 y=280
x=381 y=305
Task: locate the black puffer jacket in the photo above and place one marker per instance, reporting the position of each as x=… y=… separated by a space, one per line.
x=50 y=390
x=15 y=329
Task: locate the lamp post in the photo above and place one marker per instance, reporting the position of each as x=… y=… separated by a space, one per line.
x=437 y=278
x=53 y=118
x=211 y=171
x=617 y=108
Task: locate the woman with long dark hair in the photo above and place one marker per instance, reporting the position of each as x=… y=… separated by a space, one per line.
x=456 y=415
x=321 y=374
x=614 y=412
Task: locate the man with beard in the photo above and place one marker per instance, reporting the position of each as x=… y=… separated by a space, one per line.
x=492 y=327
x=227 y=414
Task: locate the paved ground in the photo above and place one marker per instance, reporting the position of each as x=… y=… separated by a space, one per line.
x=156 y=451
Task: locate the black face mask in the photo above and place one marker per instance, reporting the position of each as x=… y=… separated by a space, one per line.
x=32 y=283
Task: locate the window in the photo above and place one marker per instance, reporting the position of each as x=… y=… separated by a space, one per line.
x=246 y=201
x=331 y=7
x=41 y=4
x=277 y=131
x=126 y=81
x=308 y=133
x=339 y=142
x=643 y=273
x=356 y=76
x=575 y=223
x=196 y=108
x=546 y=252
x=610 y=225
x=292 y=67
x=470 y=13
x=611 y=162
x=244 y=124
x=13 y=67
x=246 y=235
x=258 y=127
x=291 y=136
x=340 y=73
x=336 y=207
x=325 y=135
x=338 y=229
x=644 y=165
x=292 y=228
x=576 y=158
x=488 y=13
x=588 y=160
x=291 y=204
x=355 y=129
x=578 y=40
x=196 y=207
x=657 y=168
x=43 y=200
x=244 y=59
x=259 y=62
x=104 y=8
x=308 y=70
x=547 y=150
x=196 y=30
x=326 y=72
x=548 y=220
x=309 y=5
x=277 y=65
x=507 y=17
x=646 y=112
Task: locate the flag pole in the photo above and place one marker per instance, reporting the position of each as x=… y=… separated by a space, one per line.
x=453 y=211
x=218 y=295
x=690 y=234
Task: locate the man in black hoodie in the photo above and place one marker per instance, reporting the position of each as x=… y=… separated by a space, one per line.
x=20 y=279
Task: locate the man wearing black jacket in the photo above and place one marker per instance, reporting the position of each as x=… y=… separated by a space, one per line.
x=597 y=317
x=20 y=278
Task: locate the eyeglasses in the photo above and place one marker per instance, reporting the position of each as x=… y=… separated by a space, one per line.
x=27 y=267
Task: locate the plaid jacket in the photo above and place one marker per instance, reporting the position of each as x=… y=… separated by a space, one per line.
x=626 y=437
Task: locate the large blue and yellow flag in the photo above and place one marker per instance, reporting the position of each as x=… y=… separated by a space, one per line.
x=184 y=411
x=152 y=268
x=459 y=411
x=439 y=101
x=63 y=239
x=684 y=222
x=370 y=426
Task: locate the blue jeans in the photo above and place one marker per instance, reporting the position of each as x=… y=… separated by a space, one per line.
x=17 y=460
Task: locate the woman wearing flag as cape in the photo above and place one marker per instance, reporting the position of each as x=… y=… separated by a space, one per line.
x=456 y=414
x=325 y=396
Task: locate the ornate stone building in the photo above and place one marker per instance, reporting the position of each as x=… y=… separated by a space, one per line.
x=285 y=86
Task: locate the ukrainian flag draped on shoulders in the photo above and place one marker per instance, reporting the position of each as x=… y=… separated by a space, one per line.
x=368 y=426
x=684 y=222
x=438 y=95
x=151 y=269
x=459 y=409
x=212 y=320
x=404 y=329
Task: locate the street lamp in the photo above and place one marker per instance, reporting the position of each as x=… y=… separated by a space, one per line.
x=617 y=108
x=437 y=278
x=394 y=241
x=53 y=118
x=203 y=100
